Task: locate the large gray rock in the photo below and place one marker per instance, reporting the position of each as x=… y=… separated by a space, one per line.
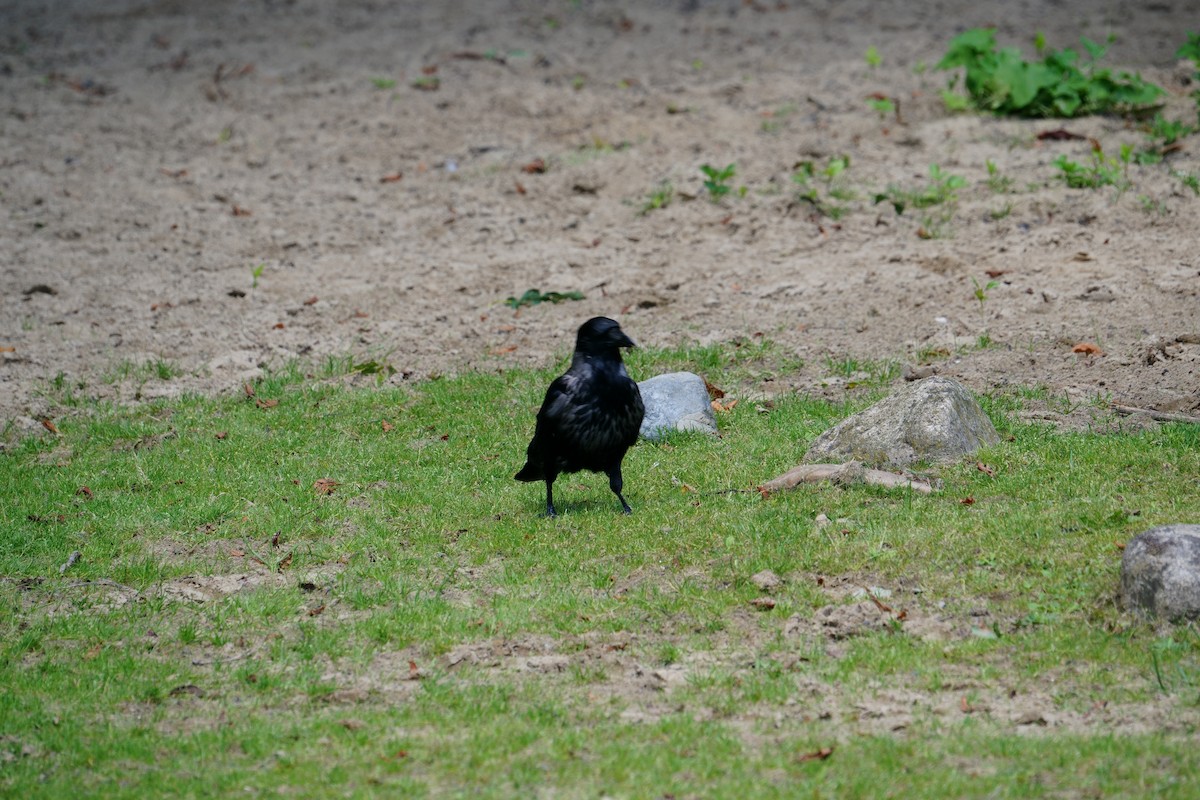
x=935 y=419
x=677 y=401
x=1160 y=573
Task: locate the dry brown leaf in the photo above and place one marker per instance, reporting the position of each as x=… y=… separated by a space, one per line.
x=763 y=603
x=278 y=326
x=1087 y=348
x=816 y=755
x=269 y=403
x=714 y=393
x=535 y=167
x=285 y=562
x=315 y=612
x=84 y=491
x=238 y=211
x=222 y=435
x=312 y=301
x=1119 y=545
x=7 y=349
x=248 y=389
x=49 y=425
x=724 y=406
x=968 y=501
x=985 y=469
x=392 y=178
x=387 y=426
x=325 y=485
x=499 y=351
x=520 y=187
x=235 y=553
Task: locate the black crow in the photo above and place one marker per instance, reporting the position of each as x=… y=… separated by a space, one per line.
x=591 y=414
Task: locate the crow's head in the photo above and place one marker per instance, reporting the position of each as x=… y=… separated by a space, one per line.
x=600 y=336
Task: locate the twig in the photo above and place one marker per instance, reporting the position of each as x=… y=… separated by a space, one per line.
x=850 y=472
x=1161 y=416
x=70 y=562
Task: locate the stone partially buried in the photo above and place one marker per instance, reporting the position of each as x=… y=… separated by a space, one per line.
x=933 y=420
x=1160 y=573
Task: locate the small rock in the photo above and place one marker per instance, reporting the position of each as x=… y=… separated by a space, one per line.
x=766 y=580
x=1160 y=573
x=912 y=373
x=935 y=419
x=677 y=401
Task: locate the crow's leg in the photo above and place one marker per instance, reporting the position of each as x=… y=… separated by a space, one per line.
x=550 y=496
x=615 y=483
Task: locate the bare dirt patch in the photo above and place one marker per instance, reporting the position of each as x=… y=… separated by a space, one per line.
x=194 y=193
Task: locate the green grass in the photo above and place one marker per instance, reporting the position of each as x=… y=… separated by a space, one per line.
x=387 y=636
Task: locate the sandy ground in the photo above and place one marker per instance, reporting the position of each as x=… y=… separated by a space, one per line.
x=155 y=154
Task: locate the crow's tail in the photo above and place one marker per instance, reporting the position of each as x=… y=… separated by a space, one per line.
x=532 y=471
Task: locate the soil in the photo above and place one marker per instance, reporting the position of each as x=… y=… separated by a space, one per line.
x=196 y=192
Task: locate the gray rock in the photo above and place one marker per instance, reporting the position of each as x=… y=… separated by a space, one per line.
x=935 y=419
x=677 y=401
x=1160 y=573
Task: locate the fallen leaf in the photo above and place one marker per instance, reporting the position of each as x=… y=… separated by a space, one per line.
x=238 y=211
x=7 y=349
x=312 y=301
x=1082 y=256
x=93 y=651
x=1058 y=134
x=519 y=187
x=275 y=540
x=285 y=562
x=85 y=491
x=222 y=435
x=713 y=392
x=763 y=603
x=985 y=469
x=966 y=708
x=315 y=612
x=724 y=406
x=1087 y=348
x=903 y=615
x=248 y=389
x=535 y=167
x=413 y=672
x=816 y=755
x=352 y=724
x=278 y=326
x=269 y=403
x=49 y=425
x=499 y=351
x=392 y=178
x=429 y=69
x=994 y=273
x=968 y=501
x=325 y=485
x=235 y=553
x=387 y=426
x=1119 y=545
x=923 y=234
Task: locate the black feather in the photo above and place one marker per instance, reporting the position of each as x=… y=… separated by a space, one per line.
x=591 y=415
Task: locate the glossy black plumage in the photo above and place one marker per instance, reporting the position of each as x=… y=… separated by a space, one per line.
x=591 y=414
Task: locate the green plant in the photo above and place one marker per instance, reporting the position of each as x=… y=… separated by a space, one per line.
x=1101 y=170
x=533 y=297
x=384 y=83
x=659 y=198
x=884 y=106
x=873 y=57
x=1191 y=50
x=981 y=291
x=1060 y=85
x=1189 y=180
x=255 y=274
x=717 y=181
x=942 y=188
x=833 y=178
x=1000 y=213
x=996 y=182
x=1151 y=206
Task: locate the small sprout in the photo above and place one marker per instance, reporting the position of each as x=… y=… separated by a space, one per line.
x=873 y=57
x=533 y=297
x=659 y=198
x=383 y=83
x=255 y=274
x=718 y=180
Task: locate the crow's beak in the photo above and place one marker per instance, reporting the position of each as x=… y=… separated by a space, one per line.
x=625 y=341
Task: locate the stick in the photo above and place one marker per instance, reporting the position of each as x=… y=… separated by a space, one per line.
x=850 y=472
x=71 y=559
x=1161 y=416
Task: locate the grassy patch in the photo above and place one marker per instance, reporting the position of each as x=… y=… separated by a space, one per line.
x=347 y=590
